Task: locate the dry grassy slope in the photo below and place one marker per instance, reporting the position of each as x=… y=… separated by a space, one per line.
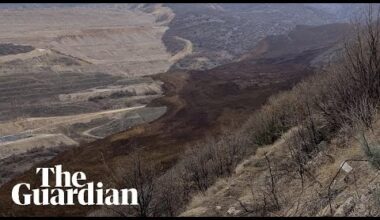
x=354 y=194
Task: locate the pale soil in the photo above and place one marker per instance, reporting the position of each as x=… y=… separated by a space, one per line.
x=140 y=89
x=88 y=132
x=42 y=140
x=52 y=132
x=24 y=56
x=125 y=121
x=46 y=124
x=122 y=41
x=187 y=50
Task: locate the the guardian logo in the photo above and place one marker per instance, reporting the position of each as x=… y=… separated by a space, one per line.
x=70 y=189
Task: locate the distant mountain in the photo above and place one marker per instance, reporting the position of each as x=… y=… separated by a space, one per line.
x=38 y=5
x=300 y=39
x=341 y=12
x=223 y=32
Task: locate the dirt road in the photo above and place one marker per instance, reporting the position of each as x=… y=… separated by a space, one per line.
x=187 y=49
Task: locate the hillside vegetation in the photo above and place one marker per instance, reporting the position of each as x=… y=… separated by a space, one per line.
x=327 y=159
x=317 y=151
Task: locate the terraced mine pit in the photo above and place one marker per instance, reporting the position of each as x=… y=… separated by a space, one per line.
x=117 y=41
x=70 y=76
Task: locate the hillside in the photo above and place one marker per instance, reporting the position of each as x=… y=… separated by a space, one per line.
x=221 y=33
x=205 y=109
x=201 y=103
x=355 y=187
x=316 y=147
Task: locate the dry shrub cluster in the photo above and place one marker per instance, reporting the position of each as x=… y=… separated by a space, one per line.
x=274 y=118
x=205 y=162
x=350 y=91
x=198 y=169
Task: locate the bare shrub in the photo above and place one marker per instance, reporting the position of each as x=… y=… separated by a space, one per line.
x=363 y=114
x=196 y=166
x=171 y=194
x=136 y=175
x=272 y=185
x=262 y=203
x=142 y=179
x=227 y=152
x=278 y=115
x=200 y=166
x=206 y=161
x=302 y=148
x=350 y=89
